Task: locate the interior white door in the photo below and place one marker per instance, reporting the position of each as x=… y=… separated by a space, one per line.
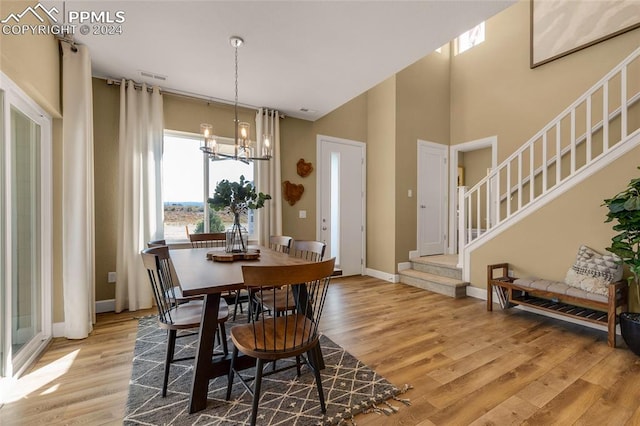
x=432 y=198
x=341 y=201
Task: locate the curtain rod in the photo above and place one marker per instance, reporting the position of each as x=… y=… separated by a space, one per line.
x=187 y=95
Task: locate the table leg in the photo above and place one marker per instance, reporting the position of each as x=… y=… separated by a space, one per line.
x=202 y=369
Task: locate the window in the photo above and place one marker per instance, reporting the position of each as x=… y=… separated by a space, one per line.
x=185 y=183
x=469 y=39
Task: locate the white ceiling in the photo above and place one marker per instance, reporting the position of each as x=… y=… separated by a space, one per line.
x=297 y=54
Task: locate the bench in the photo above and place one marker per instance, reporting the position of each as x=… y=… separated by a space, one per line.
x=559 y=298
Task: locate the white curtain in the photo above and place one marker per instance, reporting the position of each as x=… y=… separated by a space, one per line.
x=269 y=217
x=78 y=246
x=140 y=213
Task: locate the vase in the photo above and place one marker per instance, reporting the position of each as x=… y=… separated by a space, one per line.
x=630 y=329
x=237 y=237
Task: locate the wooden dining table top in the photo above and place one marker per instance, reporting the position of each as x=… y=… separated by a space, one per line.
x=198 y=275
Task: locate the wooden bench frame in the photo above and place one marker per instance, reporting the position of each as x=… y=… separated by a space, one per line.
x=602 y=313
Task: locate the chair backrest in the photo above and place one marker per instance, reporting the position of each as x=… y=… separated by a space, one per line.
x=280 y=243
x=157 y=243
x=308 y=250
x=157 y=262
x=309 y=284
x=211 y=239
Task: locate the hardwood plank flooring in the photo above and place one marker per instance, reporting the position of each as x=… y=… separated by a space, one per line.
x=466 y=365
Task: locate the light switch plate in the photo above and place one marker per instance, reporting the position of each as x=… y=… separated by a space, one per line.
x=302 y=214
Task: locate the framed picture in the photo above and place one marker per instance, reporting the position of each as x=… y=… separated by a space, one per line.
x=560 y=27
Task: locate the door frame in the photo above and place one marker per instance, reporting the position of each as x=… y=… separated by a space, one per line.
x=14 y=96
x=363 y=220
x=488 y=142
x=420 y=169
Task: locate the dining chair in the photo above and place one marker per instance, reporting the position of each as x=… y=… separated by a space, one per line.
x=209 y=239
x=173 y=316
x=308 y=250
x=174 y=291
x=269 y=338
x=280 y=243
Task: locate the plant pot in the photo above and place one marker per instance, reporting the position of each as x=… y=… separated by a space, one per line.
x=630 y=328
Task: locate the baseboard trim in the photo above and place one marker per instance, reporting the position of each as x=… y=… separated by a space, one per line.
x=392 y=278
x=402 y=266
x=58 y=329
x=413 y=254
x=103 y=306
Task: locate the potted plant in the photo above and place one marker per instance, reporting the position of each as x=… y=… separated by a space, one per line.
x=625 y=209
x=237 y=198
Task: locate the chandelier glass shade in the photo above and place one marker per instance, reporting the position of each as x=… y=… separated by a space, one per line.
x=243 y=148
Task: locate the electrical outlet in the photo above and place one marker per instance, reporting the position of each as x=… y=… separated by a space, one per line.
x=510 y=272
x=111 y=277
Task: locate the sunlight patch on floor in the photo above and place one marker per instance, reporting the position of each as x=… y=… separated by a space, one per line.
x=15 y=389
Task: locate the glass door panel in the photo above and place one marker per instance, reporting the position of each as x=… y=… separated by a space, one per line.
x=26 y=304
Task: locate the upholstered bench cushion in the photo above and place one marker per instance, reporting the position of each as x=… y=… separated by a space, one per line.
x=559 y=288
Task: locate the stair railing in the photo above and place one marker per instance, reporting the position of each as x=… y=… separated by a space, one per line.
x=585 y=132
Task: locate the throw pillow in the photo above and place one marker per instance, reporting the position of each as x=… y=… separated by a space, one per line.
x=593 y=272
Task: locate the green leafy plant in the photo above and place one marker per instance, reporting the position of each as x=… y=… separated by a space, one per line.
x=625 y=209
x=238 y=197
x=215 y=224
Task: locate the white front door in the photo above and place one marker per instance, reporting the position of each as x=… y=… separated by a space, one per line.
x=341 y=202
x=432 y=198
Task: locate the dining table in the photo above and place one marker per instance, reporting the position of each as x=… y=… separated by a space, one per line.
x=199 y=276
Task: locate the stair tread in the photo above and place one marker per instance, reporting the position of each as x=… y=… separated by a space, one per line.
x=433 y=278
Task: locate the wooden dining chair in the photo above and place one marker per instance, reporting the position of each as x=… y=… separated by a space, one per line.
x=174 y=291
x=173 y=316
x=308 y=250
x=209 y=239
x=280 y=243
x=269 y=338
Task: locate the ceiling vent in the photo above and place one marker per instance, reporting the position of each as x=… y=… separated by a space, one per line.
x=148 y=74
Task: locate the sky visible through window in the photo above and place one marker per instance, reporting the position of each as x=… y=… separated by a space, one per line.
x=183 y=175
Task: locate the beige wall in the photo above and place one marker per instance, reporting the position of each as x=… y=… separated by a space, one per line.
x=381 y=176
x=33 y=63
x=422 y=112
x=106 y=118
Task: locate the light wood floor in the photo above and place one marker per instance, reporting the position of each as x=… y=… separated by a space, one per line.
x=466 y=365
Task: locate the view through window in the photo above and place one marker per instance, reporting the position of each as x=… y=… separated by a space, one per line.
x=184 y=187
x=470 y=38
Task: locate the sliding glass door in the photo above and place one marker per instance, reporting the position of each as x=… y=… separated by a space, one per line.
x=25 y=243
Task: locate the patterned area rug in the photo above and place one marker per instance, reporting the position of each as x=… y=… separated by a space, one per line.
x=350 y=388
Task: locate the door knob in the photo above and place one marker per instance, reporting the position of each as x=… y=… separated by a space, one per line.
x=324 y=228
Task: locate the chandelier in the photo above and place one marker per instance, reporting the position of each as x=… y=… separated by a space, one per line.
x=243 y=147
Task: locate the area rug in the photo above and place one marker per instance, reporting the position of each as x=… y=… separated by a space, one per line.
x=350 y=388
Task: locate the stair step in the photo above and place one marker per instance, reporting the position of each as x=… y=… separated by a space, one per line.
x=445 y=266
x=438 y=284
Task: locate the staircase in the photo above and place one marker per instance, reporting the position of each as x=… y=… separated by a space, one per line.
x=590 y=134
x=438 y=274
